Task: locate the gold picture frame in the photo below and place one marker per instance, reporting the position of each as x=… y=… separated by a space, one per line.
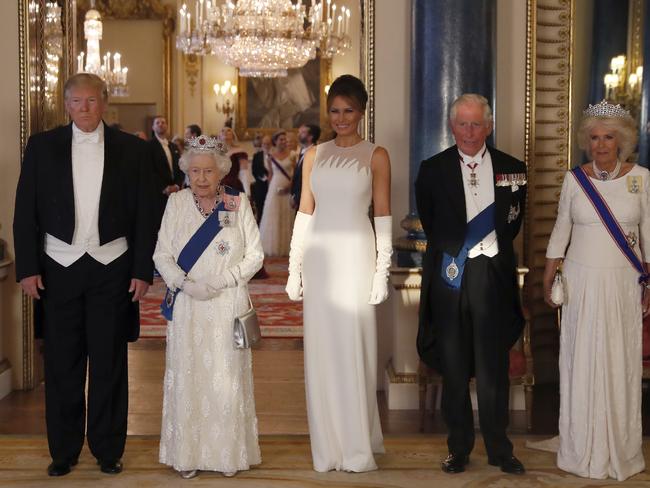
x=245 y=130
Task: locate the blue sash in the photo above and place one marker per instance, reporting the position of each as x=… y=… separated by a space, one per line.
x=609 y=221
x=453 y=267
x=191 y=253
x=279 y=167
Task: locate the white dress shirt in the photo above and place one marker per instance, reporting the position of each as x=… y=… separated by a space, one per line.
x=480 y=196
x=165 y=145
x=87 y=175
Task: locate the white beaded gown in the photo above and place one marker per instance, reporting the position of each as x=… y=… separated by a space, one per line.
x=208 y=420
x=340 y=337
x=600 y=341
x=277 y=218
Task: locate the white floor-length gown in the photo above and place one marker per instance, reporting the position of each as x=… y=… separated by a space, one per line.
x=600 y=341
x=208 y=420
x=340 y=337
x=277 y=217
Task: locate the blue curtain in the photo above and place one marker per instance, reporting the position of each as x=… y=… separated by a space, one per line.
x=452 y=52
x=609 y=40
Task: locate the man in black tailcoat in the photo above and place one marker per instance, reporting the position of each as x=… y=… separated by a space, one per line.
x=84 y=236
x=308 y=135
x=260 y=186
x=167 y=175
x=470 y=315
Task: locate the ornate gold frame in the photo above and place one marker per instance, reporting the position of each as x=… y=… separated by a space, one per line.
x=367 y=70
x=140 y=10
x=549 y=63
x=32 y=119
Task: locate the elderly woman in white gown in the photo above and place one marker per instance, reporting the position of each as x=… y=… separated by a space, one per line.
x=600 y=342
x=209 y=420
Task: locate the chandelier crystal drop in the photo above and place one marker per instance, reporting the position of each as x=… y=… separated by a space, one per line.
x=263 y=38
x=115 y=76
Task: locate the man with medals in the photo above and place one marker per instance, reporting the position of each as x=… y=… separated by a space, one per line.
x=469 y=199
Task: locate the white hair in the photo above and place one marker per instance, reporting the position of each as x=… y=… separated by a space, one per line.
x=471 y=98
x=222 y=162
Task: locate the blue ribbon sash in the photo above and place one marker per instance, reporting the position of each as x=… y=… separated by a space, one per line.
x=279 y=167
x=191 y=253
x=453 y=266
x=609 y=221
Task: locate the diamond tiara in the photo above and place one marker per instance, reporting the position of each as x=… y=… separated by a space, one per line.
x=606 y=109
x=206 y=144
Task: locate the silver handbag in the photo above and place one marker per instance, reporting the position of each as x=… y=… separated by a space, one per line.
x=558 y=294
x=246 y=327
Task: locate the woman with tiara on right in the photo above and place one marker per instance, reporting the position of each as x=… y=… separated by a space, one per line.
x=341 y=267
x=602 y=233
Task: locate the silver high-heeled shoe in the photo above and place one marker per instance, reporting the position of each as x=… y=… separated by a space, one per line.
x=229 y=474
x=186 y=475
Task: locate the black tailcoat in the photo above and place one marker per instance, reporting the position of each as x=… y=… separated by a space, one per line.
x=440 y=201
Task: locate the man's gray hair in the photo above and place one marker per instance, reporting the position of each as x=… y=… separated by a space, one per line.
x=471 y=98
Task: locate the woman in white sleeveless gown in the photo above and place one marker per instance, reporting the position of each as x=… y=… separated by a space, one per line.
x=341 y=267
x=601 y=332
x=277 y=217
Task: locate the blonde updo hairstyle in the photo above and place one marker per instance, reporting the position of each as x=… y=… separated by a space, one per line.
x=623 y=127
x=221 y=162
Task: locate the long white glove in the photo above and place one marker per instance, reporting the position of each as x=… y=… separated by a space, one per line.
x=198 y=290
x=294 y=283
x=384 y=240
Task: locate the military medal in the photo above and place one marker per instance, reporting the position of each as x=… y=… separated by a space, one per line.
x=452 y=270
x=473 y=178
x=631 y=239
x=634 y=183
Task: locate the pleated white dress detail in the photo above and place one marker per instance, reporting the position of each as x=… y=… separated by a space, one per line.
x=208 y=419
x=340 y=337
x=277 y=218
x=600 y=342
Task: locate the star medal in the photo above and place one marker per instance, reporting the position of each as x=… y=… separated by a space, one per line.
x=452 y=270
x=223 y=248
x=631 y=239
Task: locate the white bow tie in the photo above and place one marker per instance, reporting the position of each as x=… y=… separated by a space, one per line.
x=86 y=138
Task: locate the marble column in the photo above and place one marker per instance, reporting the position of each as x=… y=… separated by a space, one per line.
x=453 y=51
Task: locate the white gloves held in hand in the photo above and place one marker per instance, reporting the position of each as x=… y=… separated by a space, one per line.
x=294 y=283
x=209 y=288
x=198 y=290
x=384 y=242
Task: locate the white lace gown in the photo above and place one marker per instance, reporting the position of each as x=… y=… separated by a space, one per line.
x=600 y=341
x=277 y=217
x=208 y=420
x=340 y=336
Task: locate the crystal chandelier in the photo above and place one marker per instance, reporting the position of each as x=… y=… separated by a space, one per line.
x=263 y=38
x=114 y=76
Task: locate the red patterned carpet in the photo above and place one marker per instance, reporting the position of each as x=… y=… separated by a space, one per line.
x=279 y=317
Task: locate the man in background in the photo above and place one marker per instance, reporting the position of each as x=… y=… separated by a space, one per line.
x=308 y=135
x=167 y=176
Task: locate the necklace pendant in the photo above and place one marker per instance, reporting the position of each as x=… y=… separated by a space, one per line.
x=604 y=175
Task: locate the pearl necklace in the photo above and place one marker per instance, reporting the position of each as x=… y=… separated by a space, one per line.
x=603 y=175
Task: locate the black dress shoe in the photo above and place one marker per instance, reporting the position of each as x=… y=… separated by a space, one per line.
x=110 y=466
x=508 y=464
x=455 y=463
x=60 y=468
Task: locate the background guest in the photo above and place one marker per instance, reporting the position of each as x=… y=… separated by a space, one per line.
x=167 y=176
x=277 y=218
x=308 y=135
x=260 y=187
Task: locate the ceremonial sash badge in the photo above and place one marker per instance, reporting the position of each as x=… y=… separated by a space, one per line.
x=513 y=213
x=634 y=184
x=513 y=180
